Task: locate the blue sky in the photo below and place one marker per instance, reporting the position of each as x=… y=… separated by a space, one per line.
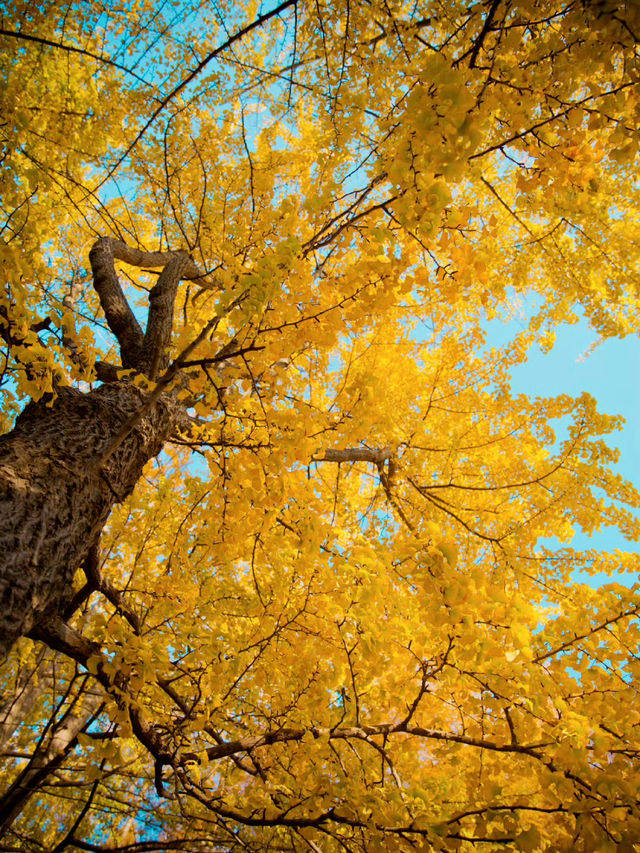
x=610 y=373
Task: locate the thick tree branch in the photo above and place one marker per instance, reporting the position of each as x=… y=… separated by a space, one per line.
x=365 y=732
x=136 y=348
x=355 y=454
x=190 y=845
x=155 y=349
x=138 y=258
x=117 y=310
x=106 y=372
x=62 y=638
x=163 y=382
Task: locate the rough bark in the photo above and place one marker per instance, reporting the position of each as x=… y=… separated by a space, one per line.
x=67 y=462
x=55 y=497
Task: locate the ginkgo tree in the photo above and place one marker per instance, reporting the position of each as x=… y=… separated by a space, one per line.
x=276 y=531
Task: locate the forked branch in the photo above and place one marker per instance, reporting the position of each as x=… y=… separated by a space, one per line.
x=138 y=350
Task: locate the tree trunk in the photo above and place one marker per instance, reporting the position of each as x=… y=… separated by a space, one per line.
x=65 y=464
x=57 y=490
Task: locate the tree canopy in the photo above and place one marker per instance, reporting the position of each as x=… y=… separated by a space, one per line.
x=333 y=606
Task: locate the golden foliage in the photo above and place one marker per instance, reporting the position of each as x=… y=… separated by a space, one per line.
x=298 y=653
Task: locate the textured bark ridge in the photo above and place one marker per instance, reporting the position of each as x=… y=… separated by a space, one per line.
x=65 y=465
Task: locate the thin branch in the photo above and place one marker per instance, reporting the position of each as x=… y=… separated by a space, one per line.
x=483 y=34
x=68 y=48
x=632 y=611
